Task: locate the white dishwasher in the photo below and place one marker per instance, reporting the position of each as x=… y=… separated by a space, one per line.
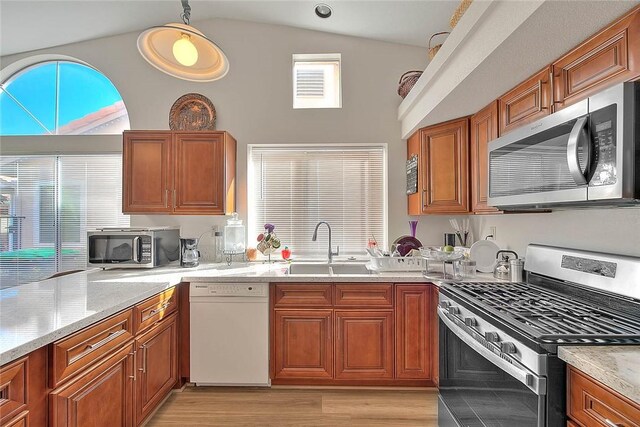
x=229 y=334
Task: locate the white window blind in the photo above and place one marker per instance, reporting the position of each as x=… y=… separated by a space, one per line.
x=47 y=205
x=316 y=81
x=296 y=187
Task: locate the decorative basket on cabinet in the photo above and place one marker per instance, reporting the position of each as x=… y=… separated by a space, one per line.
x=433 y=50
x=407 y=80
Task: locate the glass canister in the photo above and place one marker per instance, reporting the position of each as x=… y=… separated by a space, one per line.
x=464 y=269
x=219 y=246
x=234 y=233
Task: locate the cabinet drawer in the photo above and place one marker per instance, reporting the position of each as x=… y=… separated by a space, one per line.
x=591 y=404
x=156 y=308
x=13 y=389
x=365 y=295
x=302 y=295
x=22 y=420
x=83 y=348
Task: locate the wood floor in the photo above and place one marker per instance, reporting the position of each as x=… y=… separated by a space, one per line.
x=212 y=406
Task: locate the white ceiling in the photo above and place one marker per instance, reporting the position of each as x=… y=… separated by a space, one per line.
x=27 y=25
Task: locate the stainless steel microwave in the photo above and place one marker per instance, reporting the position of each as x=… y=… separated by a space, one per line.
x=133 y=247
x=587 y=154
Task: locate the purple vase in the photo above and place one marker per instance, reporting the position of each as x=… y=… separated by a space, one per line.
x=413 y=225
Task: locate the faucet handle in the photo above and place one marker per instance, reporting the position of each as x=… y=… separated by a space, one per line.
x=337 y=252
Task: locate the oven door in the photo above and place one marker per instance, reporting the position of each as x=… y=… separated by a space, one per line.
x=480 y=388
x=544 y=163
x=110 y=249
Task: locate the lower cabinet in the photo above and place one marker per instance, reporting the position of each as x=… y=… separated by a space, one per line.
x=157 y=366
x=101 y=396
x=364 y=344
x=302 y=344
x=372 y=334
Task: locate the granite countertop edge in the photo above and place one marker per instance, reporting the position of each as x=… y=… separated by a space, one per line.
x=598 y=362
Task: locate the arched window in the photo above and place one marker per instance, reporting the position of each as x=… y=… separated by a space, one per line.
x=60 y=97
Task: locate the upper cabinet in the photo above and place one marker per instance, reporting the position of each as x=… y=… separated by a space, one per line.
x=611 y=56
x=443 y=165
x=526 y=102
x=484 y=128
x=169 y=172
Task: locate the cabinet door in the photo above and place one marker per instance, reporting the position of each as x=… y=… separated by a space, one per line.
x=146 y=167
x=414 y=201
x=527 y=102
x=611 y=56
x=484 y=128
x=99 y=397
x=157 y=366
x=413 y=332
x=302 y=344
x=199 y=173
x=364 y=344
x=445 y=163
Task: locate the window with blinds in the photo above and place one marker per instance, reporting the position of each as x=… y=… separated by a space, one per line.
x=47 y=203
x=295 y=187
x=316 y=81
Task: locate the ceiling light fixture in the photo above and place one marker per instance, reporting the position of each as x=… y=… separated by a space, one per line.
x=182 y=51
x=323 y=11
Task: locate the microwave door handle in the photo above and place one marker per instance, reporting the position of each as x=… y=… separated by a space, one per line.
x=136 y=250
x=573 y=160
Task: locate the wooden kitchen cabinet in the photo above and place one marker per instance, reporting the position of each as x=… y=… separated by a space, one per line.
x=484 y=128
x=527 y=102
x=592 y=404
x=156 y=366
x=302 y=344
x=414 y=332
x=181 y=173
x=101 y=397
x=23 y=391
x=444 y=168
x=353 y=334
x=609 y=57
x=364 y=347
x=147 y=181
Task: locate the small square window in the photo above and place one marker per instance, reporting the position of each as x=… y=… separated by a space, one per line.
x=316 y=81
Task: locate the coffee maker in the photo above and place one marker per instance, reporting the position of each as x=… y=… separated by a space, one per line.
x=189 y=253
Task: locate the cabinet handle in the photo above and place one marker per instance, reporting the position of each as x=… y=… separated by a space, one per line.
x=608 y=422
x=144 y=359
x=174 y=198
x=424 y=199
x=166 y=198
x=133 y=377
x=91 y=347
x=541 y=107
x=157 y=310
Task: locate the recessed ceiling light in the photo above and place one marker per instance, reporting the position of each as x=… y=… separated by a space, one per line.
x=323 y=10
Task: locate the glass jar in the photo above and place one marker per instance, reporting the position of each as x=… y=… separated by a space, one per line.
x=234 y=233
x=464 y=269
x=218 y=248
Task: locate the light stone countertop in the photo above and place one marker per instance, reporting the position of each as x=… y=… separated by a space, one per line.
x=615 y=366
x=36 y=314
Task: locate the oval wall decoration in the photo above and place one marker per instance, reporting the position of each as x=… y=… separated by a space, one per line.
x=192 y=112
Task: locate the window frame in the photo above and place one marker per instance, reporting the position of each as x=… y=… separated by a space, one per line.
x=334 y=59
x=383 y=242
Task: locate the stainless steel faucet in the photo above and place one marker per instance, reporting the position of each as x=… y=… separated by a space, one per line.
x=315 y=237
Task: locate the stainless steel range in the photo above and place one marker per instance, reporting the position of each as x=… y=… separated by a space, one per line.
x=499 y=341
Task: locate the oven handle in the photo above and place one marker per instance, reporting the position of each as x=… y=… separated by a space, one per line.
x=577 y=133
x=535 y=383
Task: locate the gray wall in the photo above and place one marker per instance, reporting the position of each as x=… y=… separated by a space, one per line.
x=253 y=102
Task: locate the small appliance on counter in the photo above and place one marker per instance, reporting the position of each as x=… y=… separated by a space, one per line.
x=133 y=247
x=189 y=253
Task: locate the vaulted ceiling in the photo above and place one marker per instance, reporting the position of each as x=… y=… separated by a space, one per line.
x=27 y=25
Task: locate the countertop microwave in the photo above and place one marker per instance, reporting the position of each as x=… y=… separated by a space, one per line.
x=133 y=247
x=587 y=154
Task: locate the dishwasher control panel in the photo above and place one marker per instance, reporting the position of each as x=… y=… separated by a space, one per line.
x=230 y=289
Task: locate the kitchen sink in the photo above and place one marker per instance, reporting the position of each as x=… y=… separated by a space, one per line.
x=315 y=268
x=306 y=268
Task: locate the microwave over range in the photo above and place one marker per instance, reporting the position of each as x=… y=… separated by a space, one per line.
x=133 y=247
x=587 y=154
